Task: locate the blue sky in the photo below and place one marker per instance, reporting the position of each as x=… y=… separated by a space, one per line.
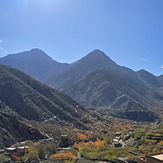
x=129 y=31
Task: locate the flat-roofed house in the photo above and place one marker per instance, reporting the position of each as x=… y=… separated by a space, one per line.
x=157 y=158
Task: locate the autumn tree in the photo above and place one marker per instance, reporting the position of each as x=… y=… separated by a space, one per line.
x=81 y=137
x=63 y=156
x=14 y=157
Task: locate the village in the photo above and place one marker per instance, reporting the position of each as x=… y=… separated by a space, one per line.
x=116 y=143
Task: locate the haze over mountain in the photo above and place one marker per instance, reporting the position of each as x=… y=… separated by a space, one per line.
x=35 y=63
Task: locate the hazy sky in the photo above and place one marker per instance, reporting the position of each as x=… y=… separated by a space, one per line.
x=128 y=31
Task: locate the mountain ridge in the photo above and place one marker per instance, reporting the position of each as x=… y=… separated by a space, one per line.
x=91 y=62
x=35 y=63
x=34 y=100
x=96 y=80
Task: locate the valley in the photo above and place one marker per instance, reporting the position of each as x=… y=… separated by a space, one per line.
x=89 y=111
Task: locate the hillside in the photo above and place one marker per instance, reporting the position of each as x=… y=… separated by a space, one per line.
x=13 y=130
x=102 y=87
x=35 y=63
x=36 y=101
x=91 y=62
x=96 y=80
x=149 y=79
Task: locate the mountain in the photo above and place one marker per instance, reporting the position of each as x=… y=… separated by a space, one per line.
x=35 y=101
x=96 y=80
x=35 y=63
x=93 y=61
x=105 y=87
x=149 y=78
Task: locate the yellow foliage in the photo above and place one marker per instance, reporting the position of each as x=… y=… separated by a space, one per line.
x=161 y=143
x=96 y=145
x=150 y=141
x=157 y=134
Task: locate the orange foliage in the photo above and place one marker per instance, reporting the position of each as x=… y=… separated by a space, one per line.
x=63 y=156
x=81 y=136
x=129 y=126
x=80 y=145
x=115 y=126
x=15 y=157
x=97 y=144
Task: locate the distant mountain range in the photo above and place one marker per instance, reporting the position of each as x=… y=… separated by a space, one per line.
x=96 y=80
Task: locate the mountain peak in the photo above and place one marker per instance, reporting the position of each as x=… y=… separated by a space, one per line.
x=30 y=54
x=143 y=72
x=34 y=62
x=97 y=53
x=149 y=78
x=36 y=49
x=97 y=57
x=38 y=52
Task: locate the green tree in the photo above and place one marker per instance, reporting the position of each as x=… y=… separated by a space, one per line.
x=33 y=154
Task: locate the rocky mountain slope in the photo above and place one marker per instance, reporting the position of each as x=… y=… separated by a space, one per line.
x=93 y=61
x=35 y=63
x=96 y=80
x=13 y=130
x=34 y=100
